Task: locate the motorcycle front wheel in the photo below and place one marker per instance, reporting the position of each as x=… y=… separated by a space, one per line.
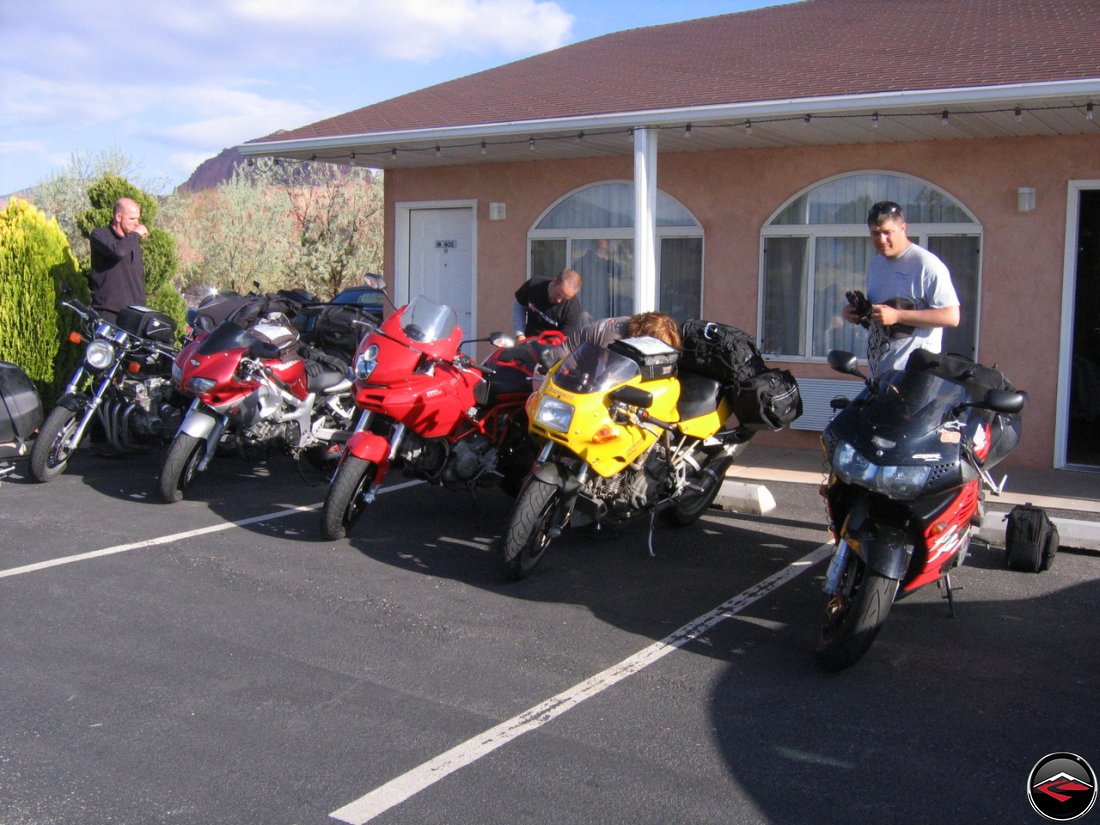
x=852 y=618
x=344 y=502
x=51 y=451
x=180 y=466
x=527 y=536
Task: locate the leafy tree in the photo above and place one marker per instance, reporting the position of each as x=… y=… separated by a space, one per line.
x=280 y=224
x=338 y=212
x=36 y=265
x=234 y=236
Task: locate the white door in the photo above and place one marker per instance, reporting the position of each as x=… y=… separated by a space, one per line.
x=441 y=260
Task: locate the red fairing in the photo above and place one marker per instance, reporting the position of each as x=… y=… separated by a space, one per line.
x=947 y=534
x=431 y=405
x=981 y=440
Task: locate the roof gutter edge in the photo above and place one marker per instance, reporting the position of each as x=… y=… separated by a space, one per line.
x=881 y=101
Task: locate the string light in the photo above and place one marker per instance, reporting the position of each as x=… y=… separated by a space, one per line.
x=688 y=130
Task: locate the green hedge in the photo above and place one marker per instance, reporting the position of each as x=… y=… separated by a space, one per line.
x=36 y=265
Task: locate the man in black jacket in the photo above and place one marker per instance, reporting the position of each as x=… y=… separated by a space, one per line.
x=548 y=305
x=118 y=273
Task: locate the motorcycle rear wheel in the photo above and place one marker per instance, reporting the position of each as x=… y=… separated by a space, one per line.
x=180 y=467
x=525 y=541
x=344 y=503
x=849 y=623
x=50 y=455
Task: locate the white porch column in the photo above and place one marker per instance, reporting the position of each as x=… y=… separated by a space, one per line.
x=645 y=220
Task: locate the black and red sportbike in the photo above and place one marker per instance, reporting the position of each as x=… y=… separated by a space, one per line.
x=909 y=461
x=254 y=390
x=432 y=410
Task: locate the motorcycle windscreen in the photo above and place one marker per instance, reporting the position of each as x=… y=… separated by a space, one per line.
x=590 y=368
x=425 y=321
x=916 y=402
x=226 y=336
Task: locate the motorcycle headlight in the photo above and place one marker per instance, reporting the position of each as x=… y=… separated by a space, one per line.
x=903 y=482
x=99 y=355
x=852 y=467
x=554 y=414
x=366 y=362
x=201 y=385
x=894 y=481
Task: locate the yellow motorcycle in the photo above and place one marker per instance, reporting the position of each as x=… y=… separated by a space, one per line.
x=624 y=435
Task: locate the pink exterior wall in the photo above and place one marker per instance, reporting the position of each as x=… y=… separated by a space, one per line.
x=733 y=193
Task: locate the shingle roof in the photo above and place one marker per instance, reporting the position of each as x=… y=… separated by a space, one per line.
x=801 y=50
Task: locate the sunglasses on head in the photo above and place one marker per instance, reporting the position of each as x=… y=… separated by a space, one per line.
x=880 y=209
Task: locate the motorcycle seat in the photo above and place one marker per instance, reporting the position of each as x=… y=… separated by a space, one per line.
x=698 y=395
x=324 y=380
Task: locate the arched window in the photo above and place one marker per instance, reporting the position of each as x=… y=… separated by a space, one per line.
x=592 y=230
x=816 y=247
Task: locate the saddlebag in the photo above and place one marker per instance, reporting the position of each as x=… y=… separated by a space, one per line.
x=20 y=410
x=147 y=323
x=338 y=328
x=1031 y=539
x=718 y=351
x=769 y=400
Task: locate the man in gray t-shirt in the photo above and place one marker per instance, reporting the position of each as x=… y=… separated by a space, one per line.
x=910 y=290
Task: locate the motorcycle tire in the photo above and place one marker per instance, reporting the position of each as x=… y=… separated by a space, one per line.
x=850 y=623
x=49 y=455
x=344 y=502
x=180 y=467
x=689 y=507
x=525 y=541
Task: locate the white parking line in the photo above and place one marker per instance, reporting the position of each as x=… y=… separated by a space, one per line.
x=139 y=545
x=397 y=790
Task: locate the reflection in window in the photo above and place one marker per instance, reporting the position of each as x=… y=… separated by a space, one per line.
x=592 y=231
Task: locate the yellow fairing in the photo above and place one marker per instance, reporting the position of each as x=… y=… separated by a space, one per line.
x=609 y=446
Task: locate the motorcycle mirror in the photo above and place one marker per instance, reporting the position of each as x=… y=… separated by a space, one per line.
x=633 y=396
x=374 y=281
x=844 y=362
x=1004 y=401
x=499 y=339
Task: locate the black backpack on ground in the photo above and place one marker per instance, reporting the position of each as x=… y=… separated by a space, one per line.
x=1031 y=539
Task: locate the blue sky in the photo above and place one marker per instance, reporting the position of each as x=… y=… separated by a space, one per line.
x=172 y=82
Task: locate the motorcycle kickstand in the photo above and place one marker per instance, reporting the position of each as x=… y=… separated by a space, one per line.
x=949 y=593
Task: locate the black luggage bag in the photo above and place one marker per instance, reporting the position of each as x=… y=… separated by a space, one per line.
x=20 y=411
x=1031 y=539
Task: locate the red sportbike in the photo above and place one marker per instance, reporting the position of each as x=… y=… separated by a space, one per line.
x=253 y=390
x=432 y=410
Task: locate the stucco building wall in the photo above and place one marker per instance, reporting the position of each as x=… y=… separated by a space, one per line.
x=734 y=193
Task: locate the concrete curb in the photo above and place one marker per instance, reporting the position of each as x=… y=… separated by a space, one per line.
x=742 y=497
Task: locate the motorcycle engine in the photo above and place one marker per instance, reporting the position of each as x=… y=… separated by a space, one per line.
x=470 y=458
x=152 y=415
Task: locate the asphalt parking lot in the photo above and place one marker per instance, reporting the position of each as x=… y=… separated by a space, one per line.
x=216 y=661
